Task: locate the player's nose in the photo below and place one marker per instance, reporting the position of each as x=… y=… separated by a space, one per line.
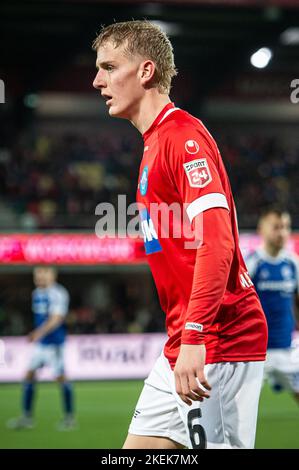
x=98 y=82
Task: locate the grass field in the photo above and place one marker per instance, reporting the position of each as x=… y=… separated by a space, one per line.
x=104 y=410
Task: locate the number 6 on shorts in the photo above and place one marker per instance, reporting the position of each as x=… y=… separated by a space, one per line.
x=196 y=431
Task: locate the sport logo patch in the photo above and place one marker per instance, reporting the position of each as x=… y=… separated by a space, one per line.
x=194 y=326
x=144 y=181
x=198 y=173
x=191 y=146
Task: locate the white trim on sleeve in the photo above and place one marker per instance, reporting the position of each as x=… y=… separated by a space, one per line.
x=203 y=203
x=171 y=110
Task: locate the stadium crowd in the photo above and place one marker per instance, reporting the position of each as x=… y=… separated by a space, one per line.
x=56 y=182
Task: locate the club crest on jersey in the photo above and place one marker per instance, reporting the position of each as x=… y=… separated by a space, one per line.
x=198 y=173
x=143 y=181
x=191 y=146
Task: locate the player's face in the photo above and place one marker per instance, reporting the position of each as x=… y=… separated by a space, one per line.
x=275 y=230
x=118 y=80
x=43 y=277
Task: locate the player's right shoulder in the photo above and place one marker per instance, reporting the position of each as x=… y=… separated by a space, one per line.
x=293 y=260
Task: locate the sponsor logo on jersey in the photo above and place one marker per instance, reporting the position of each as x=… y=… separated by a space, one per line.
x=191 y=146
x=193 y=326
x=198 y=173
x=286 y=272
x=143 y=181
x=283 y=286
x=151 y=241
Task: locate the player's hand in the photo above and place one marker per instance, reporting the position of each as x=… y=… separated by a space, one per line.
x=190 y=381
x=33 y=336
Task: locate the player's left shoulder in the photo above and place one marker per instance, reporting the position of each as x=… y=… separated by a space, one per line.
x=64 y=290
x=59 y=290
x=289 y=255
x=291 y=258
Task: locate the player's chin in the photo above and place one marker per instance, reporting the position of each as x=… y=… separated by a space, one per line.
x=280 y=244
x=115 y=111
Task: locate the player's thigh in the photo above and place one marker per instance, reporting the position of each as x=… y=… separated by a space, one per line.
x=241 y=387
x=150 y=442
x=286 y=370
x=37 y=359
x=156 y=416
x=271 y=374
x=281 y=380
x=228 y=418
x=56 y=361
x=203 y=420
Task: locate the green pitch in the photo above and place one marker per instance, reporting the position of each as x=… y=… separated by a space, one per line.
x=104 y=410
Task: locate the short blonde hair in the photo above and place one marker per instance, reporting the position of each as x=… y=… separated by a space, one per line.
x=147 y=40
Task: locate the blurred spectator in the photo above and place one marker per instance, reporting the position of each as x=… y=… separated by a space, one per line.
x=118 y=304
x=56 y=182
x=262 y=171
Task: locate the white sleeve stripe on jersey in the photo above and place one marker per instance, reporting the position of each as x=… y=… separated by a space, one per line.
x=203 y=203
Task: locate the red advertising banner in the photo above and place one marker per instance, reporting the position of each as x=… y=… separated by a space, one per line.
x=88 y=249
x=69 y=249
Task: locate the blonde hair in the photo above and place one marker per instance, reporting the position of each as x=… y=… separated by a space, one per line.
x=147 y=40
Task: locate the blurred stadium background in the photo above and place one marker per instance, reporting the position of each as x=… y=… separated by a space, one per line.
x=60 y=156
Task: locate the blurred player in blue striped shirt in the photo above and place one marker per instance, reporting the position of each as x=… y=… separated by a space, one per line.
x=50 y=304
x=275 y=274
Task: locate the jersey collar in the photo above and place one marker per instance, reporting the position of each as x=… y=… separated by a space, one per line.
x=161 y=116
x=272 y=259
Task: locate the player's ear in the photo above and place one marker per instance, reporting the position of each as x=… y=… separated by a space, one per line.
x=147 y=71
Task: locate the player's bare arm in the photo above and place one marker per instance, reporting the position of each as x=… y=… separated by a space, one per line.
x=53 y=322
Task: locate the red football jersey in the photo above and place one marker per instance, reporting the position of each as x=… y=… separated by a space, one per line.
x=182 y=169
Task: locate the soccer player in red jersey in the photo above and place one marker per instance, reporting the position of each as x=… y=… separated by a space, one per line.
x=204 y=389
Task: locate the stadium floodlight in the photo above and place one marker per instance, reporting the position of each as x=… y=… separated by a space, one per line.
x=261 y=58
x=290 y=37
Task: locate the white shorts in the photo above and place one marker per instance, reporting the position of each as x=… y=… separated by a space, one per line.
x=50 y=355
x=226 y=420
x=282 y=369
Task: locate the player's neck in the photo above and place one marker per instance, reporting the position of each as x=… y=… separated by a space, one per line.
x=149 y=108
x=272 y=250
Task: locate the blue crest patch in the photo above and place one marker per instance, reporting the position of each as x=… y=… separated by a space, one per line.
x=144 y=181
